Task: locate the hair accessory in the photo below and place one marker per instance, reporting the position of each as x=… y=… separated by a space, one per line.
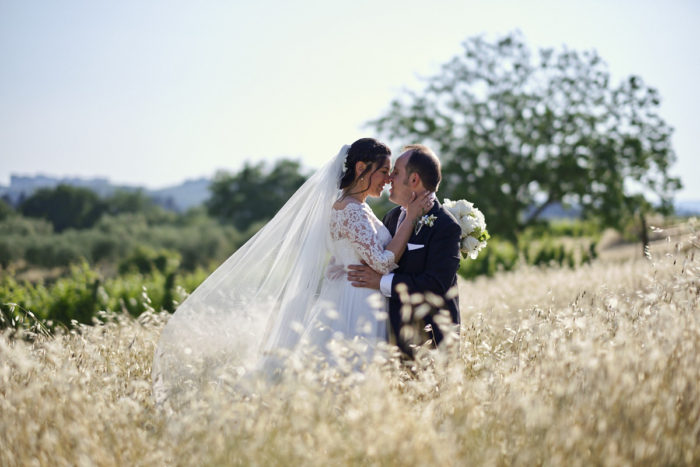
x=345 y=162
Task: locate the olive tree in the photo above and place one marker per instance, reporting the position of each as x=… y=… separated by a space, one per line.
x=254 y=194
x=518 y=131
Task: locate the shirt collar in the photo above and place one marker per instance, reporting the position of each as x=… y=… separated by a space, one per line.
x=433 y=198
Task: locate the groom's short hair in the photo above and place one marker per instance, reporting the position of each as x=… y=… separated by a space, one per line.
x=425 y=163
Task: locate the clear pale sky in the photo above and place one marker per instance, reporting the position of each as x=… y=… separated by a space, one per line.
x=155 y=92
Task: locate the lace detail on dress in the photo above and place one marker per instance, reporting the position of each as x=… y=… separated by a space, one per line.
x=358 y=224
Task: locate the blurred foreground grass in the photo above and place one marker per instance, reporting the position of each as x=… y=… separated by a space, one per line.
x=594 y=365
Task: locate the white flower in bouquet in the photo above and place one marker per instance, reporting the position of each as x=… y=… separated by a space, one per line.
x=462 y=207
x=468 y=224
x=473 y=224
x=469 y=243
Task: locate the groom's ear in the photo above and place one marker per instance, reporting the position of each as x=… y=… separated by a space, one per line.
x=414 y=179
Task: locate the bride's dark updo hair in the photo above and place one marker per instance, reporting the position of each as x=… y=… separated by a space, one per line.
x=367 y=150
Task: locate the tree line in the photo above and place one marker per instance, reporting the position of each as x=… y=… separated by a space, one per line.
x=243 y=199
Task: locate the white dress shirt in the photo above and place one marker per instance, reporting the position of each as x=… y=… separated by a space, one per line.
x=388 y=279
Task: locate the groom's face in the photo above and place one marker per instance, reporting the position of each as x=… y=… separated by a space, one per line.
x=400 y=192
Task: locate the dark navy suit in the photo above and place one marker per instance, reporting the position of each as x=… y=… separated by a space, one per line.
x=431 y=268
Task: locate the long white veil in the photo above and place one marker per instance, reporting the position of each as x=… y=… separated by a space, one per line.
x=257 y=300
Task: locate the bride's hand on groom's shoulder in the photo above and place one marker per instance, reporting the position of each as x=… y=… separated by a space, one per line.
x=361 y=275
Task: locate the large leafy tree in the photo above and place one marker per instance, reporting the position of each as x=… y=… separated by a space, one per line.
x=64 y=206
x=255 y=193
x=518 y=132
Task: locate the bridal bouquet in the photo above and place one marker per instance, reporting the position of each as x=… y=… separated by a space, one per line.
x=474 y=233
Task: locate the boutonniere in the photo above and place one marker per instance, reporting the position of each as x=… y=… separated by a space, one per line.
x=425 y=220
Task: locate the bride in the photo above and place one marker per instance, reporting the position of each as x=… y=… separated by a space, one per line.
x=287 y=286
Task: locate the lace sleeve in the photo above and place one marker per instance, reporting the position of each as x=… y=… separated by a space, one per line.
x=357 y=227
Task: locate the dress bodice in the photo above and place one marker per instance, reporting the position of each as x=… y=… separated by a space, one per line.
x=357 y=235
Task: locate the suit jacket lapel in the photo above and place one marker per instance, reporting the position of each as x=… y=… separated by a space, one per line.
x=434 y=211
x=393 y=217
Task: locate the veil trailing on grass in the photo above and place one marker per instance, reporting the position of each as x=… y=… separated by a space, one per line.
x=257 y=301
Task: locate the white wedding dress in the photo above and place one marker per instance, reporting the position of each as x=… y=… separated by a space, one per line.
x=285 y=287
x=344 y=312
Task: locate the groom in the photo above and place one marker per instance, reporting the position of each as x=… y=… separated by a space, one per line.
x=429 y=265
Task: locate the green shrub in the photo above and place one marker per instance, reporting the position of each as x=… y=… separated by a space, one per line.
x=197 y=240
x=546 y=250
x=52 y=252
x=76 y=297
x=24 y=226
x=499 y=255
x=6 y=210
x=145 y=260
x=10 y=251
x=16 y=297
x=106 y=248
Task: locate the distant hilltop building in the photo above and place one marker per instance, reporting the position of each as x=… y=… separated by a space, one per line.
x=180 y=197
x=29 y=184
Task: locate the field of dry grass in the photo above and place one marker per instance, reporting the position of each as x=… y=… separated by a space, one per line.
x=597 y=365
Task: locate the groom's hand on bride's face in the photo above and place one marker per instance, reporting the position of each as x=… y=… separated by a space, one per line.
x=364 y=276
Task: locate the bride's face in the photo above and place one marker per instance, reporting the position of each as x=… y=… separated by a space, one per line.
x=379 y=178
